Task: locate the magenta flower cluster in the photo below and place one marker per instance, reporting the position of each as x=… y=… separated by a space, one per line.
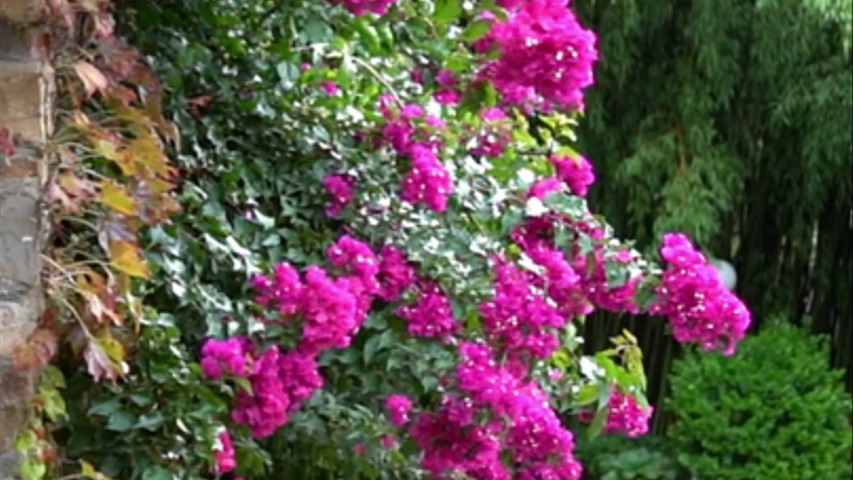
x=398 y=407
x=545 y=56
x=624 y=414
x=692 y=295
x=430 y=315
x=341 y=191
x=409 y=132
x=519 y=319
x=575 y=171
x=497 y=416
x=224 y=457
x=495 y=133
x=226 y=357
x=329 y=311
x=360 y=7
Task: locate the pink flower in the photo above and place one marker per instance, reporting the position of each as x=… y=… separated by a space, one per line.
x=224 y=456
x=360 y=7
x=692 y=295
x=431 y=315
x=395 y=273
x=447 y=96
x=398 y=407
x=624 y=414
x=341 y=190
x=331 y=88
x=225 y=357
x=544 y=187
x=445 y=78
x=517 y=318
x=545 y=56
x=575 y=171
x=428 y=181
x=388 y=441
x=492 y=114
x=359 y=448
x=412 y=111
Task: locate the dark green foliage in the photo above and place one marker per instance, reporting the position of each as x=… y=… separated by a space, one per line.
x=616 y=457
x=773 y=411
x=161 y=420
x=730 y=121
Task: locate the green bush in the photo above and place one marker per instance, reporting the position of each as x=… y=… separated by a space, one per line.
x=616 y=457
x=772 y=411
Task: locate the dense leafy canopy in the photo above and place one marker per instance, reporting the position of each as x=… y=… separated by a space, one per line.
x=371 y=270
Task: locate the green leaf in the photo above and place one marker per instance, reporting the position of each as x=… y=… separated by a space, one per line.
x=476 y=30
x=447 y=10
x=597 y=424
x=121 y=421
x=105 y=407
x=587 y=395
x=156 y=472
x=32 y=469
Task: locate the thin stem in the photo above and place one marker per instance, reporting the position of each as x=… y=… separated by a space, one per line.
x=380 y=78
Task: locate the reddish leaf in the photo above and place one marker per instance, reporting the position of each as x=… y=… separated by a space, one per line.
x=93 y=79
x=39 y=348
x=56 y=195
x=7 y=144
x=99 y=364
x=104 y=25
x=112 y=229
x=75 y=186
x=125 y=95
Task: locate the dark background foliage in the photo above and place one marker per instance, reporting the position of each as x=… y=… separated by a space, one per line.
x=729 y=121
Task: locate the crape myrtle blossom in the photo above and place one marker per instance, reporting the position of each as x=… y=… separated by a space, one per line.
x=575 y=171
x=328 y=309
x=624 y=414
x=545 y=57
x=223 y=454
x=361 y=7
x=692 y=295
x=427 y=181
x=341 y=191
x=431 y=314
x=496 y=416
x=398 y=407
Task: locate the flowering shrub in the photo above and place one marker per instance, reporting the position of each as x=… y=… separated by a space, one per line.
x=414 y=247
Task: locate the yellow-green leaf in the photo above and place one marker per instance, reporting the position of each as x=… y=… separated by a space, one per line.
x=125 y=257
x=116 y=197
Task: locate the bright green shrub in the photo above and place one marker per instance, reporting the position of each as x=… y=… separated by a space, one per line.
x=774 y=411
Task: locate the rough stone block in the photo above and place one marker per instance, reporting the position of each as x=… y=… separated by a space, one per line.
x=11 y=421
x=9 y=465
x=17 y=385
x=22 y=92
x=19 y=230
x=22 y=12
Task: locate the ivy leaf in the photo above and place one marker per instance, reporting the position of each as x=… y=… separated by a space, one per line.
x=476 y=30
x=117 y=197
x=447 y=10
x=121 y=421
x=93 y=79
x=125 y=257
x=98 y=363
x=88 y=471
x=597 y=425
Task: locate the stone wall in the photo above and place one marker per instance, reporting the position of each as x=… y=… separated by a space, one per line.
x=24 y=110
